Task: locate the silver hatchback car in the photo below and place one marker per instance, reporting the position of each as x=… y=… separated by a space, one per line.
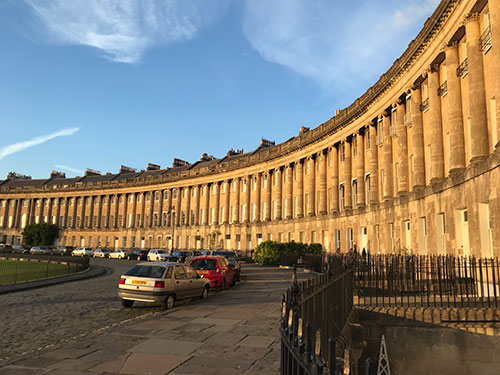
x=161 y=282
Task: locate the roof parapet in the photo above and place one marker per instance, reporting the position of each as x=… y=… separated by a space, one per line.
x=206 y=157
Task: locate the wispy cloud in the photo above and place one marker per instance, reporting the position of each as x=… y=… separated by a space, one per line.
x=16 y=147
x=69 y=169
x=342 y=45
x=125 y=29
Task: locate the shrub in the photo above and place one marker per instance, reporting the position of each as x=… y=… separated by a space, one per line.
x=43 y=234
x=275 y=253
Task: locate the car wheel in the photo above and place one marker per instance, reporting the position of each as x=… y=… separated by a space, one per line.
x=168 y=303
x=157 y=259
x=204 y=294
x=127 y=302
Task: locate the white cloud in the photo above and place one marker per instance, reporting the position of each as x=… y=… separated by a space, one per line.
x=125 y=29
x=16 y=147
x=343 y=45
x=404 y=18
x=69 y=169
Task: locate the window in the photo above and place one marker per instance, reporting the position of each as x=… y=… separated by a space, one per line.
x=86 y=221
x=164 y=219
x=192 y=217
x=354 y=192
x=254 y=183
x=244 y=185
x=130 y=198
x=184 y=193
x=341 y=196
x=155 y=219
x=307 y=167
x=165 y=195
x=157 y=196
x=355 y=145
x=342 y=152
x=329 y=159
x=174 y=193
x=380 y=132
x=148 y=198
x=264 y=183
x=183 y=217
x=394 y=129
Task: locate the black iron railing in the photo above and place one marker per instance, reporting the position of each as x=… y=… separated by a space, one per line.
x=315 y=329
x=485 y=41
x=463 y=68
x=430 y=281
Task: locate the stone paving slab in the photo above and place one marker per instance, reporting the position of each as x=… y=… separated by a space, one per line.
x=151 y=364
x=164 y=346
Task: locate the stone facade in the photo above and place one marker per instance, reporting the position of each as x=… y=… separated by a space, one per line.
x=411 y=165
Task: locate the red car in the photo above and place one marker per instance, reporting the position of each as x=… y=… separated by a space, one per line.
x=217 y=269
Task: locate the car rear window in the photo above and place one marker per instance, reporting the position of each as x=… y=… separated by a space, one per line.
x=228 y=256
x=204 y=264
x=154 y=272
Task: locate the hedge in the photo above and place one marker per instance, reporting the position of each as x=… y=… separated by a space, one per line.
x=272 y=253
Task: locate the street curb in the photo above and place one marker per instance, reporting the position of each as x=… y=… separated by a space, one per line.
x=92 y=271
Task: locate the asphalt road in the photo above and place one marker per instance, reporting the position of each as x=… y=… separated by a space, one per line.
x=34 y=319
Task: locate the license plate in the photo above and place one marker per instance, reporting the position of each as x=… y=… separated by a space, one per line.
x=139 y=282
x=203 y=272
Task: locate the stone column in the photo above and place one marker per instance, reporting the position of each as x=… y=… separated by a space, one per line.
x=58 y=211
x=268 y=199
x=257 y=197
x=289 y=191
x=143 y=209
x=247 y=198
x=5 y=222
x=196 y=204
x=237 y=200
x=435 y=126
x=279 y=194
x=188 y=206
x=477 y=94
x=494 y=7
x=160 y=209
x=387 y=188
x=311 y=186
x=335 y=177
x=455 y=117
x=91 y=212
x=361 y=167
x=17 y=205
x=373 y=164
x=227 y=203
x=418 y=138
x=75 y=212
x=133 y=223
x=322 y=205
x=402 y=182
x=177 y=207
x=116 y=198
x=217 y=203
x=348 y=173
x=49 y=212
x=207 y=204
x=299 y=170
x=66 y=210
x=83 y=210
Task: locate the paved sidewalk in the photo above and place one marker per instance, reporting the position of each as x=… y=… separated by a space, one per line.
x=232 y=332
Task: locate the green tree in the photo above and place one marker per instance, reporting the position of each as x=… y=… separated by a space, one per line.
x=41 y=234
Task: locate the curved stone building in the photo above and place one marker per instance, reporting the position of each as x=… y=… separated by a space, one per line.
x=412 y=165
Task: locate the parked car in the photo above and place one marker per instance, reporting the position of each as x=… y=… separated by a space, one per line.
x=82 y=251
x=215 y=268
x=180 y=255
x=101 y=253
x=158 y=255
x=234 y=259
x=118 y=254
x=4 y=248
x=139 y=254
x=20 y=249
x=40 y=250
x=63 y=250
x=161 y=282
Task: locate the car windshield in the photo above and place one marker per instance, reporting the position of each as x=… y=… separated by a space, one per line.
x=228 y=256
x=153 y=272
x=161 y=252
x=204 y=264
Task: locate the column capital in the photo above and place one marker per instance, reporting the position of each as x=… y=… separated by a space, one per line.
x=386 y=113
x=434 y=68
x=361 y=130
x=452 y=45
x=471 y=17
x=348 y=139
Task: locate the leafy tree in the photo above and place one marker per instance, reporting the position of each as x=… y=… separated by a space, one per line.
x=273 y=253
x=41 y=234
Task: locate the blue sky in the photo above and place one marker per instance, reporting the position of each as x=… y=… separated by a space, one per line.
x=97 y=84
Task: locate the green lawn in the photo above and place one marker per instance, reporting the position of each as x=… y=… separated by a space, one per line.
x=14 y=271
